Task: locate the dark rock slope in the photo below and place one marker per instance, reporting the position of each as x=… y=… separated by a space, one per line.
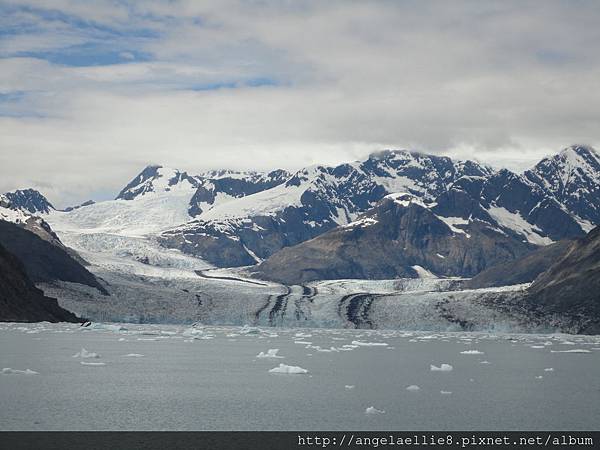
x=522 y=270
x=20 y=300
x=43 y=260
x=572 y=285
x=397 y=238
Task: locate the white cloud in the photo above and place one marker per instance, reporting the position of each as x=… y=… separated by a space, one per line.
x=504 y=83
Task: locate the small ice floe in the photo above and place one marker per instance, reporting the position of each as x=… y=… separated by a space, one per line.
x=246 y=329
x=549 y=369
x=192 y=331
x=83 y=363
x=349 y=346
x=349 y=387
x=121 y=339
x=372 y=410
x=303 y=342
x=539 y=377
x=303 y=335
x=413 y=388
x=577 y=350
x=446 y=392
x=369 y=344
x=168 y=333
x=105 y=326
x=271 y=353
x=471 y=352
x=133 y=355
x=9 y=371
x=284 y=368
x=85 y=354
x=537 y=346
x=442 y=368
x=326 y=350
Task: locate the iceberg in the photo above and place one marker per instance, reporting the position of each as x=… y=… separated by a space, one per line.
x=373 y=410
x=283 y=368
x=442 y=368
x=369 y=344
x=85 y=354
x=271 y=353
x=9 y=371
x=577 y=350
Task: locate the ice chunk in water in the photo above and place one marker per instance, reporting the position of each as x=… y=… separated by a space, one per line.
x=413 y=388
x=85 y=354
x=577 y=350
x=92 y=363
x=373 y=410
x=284 y=368
x=246 y=329
x=471 y=352
x=445 y=392
x=369 y=344
x=349 y=387
x=9 y=371
x=442 y=368
x=549 y=369
x=133 y=355
x=271 y=353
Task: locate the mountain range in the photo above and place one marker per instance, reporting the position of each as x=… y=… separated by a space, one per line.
x=397 y=214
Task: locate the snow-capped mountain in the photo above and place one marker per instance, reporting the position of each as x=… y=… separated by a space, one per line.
x=219 y=186
x=401 y=237
x=312 y=201
x=573 y=178
x=230 y=218
x=511 y=202
x=29 y=201
x=156 y=179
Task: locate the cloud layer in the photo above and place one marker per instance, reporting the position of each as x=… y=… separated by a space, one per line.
x=90 y=92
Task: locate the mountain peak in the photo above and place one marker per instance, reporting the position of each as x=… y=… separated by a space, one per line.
x=28 y=200
x=580 y=155
x=154 y=178
x=573 y=177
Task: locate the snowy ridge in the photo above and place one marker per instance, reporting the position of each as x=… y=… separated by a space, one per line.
x=573 y=178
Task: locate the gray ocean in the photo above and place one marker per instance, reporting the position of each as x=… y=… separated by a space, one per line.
x=210 y=378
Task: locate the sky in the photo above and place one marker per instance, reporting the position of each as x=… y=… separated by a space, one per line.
x=91 y=92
